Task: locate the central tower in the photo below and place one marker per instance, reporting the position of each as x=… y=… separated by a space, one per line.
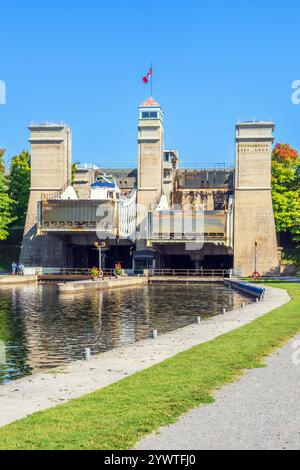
x=150 y=156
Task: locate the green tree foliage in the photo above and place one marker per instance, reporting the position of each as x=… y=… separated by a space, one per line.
x=286 y=189
x=74 y=169
x=19 y=186
x=6 y=203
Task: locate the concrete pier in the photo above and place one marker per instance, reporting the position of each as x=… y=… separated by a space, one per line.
x=16 y=280
x=84 y=286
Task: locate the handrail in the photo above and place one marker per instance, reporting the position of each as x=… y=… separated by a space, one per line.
x=189 y=273
x=72 y=272
x=58 y=194
x=220 y=273
x=205 y=167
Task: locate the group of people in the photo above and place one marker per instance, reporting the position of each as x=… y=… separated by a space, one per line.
x=17 y=269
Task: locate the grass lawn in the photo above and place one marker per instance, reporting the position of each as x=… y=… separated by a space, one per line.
x=117 y=417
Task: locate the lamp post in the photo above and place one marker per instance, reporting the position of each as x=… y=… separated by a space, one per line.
x=99 y=247
x=255 y=256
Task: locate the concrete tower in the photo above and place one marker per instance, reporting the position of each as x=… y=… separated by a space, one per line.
x=255 y=243
x=51 y=169
x=150 y=156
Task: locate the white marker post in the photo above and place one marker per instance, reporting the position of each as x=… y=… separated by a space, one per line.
x=87 y=354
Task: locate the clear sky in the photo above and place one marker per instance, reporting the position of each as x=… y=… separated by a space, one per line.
x=214 y=63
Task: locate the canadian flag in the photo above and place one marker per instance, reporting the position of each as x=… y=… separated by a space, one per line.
x=146 y=79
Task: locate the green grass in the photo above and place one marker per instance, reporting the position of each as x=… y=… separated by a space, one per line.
x=117 y=417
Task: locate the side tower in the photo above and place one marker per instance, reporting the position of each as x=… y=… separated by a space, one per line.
x=255 y=242
x=51 y=169
x=150 y=156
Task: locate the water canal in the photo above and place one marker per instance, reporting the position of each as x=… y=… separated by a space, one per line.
x=42 y=330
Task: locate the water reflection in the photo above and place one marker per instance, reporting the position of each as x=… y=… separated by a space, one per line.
x=42 y=330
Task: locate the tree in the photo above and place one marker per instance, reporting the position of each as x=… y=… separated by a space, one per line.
x=19 y=186
x=6 y=203
x=286 y=189
x=74 y=169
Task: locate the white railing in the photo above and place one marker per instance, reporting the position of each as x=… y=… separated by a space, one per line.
x=220 y=273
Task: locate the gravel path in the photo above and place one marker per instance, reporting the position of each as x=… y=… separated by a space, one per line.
x=260 y=412
x=23 y=397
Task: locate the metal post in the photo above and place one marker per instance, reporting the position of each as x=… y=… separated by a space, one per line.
x=255 y=256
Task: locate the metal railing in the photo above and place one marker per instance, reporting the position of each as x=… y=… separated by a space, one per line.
x=85 y=272
x=206 y=166
x=58 y=194
x=221 y=273
x=65 y=272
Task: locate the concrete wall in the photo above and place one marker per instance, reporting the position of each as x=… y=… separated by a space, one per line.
x=253 y=211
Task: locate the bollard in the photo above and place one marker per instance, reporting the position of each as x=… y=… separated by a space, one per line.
x=223 y=311
x=154 y=334
x=87 y=354
x=198 y=320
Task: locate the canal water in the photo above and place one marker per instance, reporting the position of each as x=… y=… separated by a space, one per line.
x=42 y=330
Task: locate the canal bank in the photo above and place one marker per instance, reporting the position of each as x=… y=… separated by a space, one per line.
x=23 y=397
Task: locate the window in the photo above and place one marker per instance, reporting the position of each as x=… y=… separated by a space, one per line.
x=149 y=115
x=167 y=157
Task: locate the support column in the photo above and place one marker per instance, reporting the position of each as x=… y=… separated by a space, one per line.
x=254 y=225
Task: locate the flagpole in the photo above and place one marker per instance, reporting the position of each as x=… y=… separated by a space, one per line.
x=152 y=80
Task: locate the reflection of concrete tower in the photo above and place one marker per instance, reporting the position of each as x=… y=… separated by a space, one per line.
x=150 y=158
x=51 y=158
x=255 y=243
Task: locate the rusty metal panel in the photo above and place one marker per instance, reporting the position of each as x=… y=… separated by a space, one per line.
x=205 y=179
x=187 y=225
x=69 y=212
x=166 y=225
x=215 y=222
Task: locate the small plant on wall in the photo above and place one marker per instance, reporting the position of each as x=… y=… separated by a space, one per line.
x=118 y=270
x=95 y=273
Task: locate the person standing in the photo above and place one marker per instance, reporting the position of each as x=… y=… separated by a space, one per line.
x=14 y=268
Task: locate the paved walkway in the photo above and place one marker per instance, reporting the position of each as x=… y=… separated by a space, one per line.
x=261 y=411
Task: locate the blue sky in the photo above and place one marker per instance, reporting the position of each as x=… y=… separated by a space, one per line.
x=214 y=63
